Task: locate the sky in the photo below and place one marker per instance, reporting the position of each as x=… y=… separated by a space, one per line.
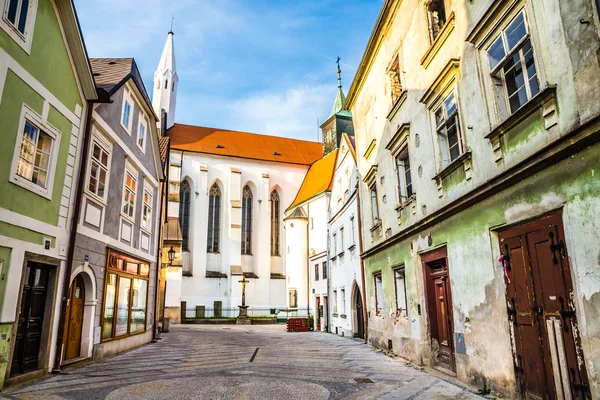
x=264 y=66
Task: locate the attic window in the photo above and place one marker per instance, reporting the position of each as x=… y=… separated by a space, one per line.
x=220 y=146
x=275 y=153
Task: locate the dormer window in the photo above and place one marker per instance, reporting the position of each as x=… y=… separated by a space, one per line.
x=436 y=15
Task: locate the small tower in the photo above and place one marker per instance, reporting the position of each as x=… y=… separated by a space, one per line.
x=165 y=84
x=339 y=120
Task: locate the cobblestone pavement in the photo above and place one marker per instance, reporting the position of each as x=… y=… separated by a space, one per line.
x=254 y=362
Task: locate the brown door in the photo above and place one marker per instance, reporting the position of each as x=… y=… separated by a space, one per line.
x=74 y=320
x=31 y=319
x=539 y=296
x=439 y=307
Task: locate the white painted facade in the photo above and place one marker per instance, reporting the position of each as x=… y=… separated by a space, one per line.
x=190 y=283
x=344 y=265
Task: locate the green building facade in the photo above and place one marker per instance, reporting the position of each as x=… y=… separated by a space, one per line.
x=45 y=86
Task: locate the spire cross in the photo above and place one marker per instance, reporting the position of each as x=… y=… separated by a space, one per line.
x=339 y=71
x=172 y=19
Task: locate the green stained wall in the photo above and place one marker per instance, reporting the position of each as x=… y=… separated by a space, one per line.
x=48 y=60
x=477 y=282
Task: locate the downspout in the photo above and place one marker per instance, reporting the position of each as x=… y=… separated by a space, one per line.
x=73 y=234
x=308 y=267
x=328 y=285
x=362 y=266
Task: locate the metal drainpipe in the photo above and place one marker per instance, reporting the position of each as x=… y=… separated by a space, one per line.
x=362 y=265
x=328 y=285
x=73 y=236
x=308 y=266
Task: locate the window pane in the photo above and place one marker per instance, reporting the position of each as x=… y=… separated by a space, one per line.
x=39 y=177
x=96 y=152
x=518 y=99
x=12 y=10
x=101 y=182
x=132 y=268
x=104 y=159
x=23 y=16
x=109 y=306
x=400 y=292
x=439 y=116
x=144 y=269
x=138 y=305
x=450 y=104
x=453 y=144
x=378 y=293
x=123 y=306
x=515 y=31
x=496 y=52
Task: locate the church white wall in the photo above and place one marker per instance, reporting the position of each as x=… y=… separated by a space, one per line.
x=202 y=170
x=296 y=232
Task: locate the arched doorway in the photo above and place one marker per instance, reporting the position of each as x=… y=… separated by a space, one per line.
x=358 y=316
x=74 y=320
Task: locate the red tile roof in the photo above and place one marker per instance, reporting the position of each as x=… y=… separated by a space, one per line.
x=255 y=146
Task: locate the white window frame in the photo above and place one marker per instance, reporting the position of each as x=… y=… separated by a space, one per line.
x=378 y=294
x=142 y=122
x=28 y=114
x=335 y=301
x=352 y=231
x=106 y=147
x=22 y=39
x=343 y=296
x=375 y=218
x=496 y=72
x=129 y=99
x=135 y=175
x=403 y=154
x=443 y=145
x=404 y=312
x=342 y=238
x=147 y=190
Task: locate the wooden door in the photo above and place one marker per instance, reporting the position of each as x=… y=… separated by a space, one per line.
x=74 y=320
x=360 y=320
x=548 y=357
x=31 y=319
x=439 y=308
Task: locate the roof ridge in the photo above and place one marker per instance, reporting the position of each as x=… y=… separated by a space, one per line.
x=246 y=132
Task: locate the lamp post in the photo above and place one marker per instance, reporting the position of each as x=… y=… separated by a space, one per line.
x=242 y=318
x=171 y=254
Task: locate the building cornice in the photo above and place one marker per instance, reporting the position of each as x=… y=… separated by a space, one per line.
x=573 y=142
x=388 y=10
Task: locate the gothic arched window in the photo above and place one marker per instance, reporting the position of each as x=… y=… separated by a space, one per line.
x=247 y=220
x=184 y=213
x=166 y=83
x=214 y=219
x=274 y=223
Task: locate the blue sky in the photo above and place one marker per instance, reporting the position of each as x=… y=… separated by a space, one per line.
x=252 y=65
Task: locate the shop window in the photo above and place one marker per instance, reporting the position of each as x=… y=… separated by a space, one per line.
x=126 y=297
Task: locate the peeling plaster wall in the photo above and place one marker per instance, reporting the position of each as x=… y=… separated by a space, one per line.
x=572 y=185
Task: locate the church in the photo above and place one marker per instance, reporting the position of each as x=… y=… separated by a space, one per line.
x=228 y=191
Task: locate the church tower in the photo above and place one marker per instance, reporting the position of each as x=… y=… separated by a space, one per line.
x=339 y=120
x=164 y=96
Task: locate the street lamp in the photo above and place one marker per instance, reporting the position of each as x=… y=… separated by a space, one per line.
x=171 y=254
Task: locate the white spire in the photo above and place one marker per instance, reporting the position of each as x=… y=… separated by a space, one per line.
x=165 y=83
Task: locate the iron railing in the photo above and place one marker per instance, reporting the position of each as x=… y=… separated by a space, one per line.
x=281 y=313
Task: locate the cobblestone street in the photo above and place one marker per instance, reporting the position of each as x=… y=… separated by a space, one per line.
x=256 y=362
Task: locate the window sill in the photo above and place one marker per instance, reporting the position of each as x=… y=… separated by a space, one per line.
x=32 y=187
x=335 y=315
x=94 y=197
x=453 y=166
x=406 y=203
x=397 y=104
x=333 y=258
x=343 y=316
x=376 y=226
x=277 y=276
x=128 y=130
x=127 y=218
x=215 y=274
x=534 y=104
x=341 y=254
x=439 y=41
x=351 y=248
